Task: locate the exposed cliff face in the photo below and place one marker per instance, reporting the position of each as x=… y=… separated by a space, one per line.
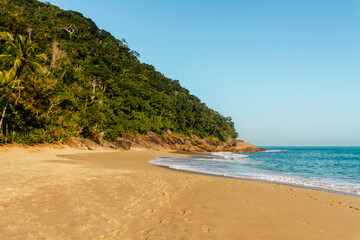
x=152 y=141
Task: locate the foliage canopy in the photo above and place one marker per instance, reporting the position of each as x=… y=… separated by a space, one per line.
x=91 y=84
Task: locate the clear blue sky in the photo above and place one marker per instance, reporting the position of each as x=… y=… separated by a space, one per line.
x=286 y=71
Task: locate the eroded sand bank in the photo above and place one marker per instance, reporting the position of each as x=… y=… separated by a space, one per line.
x=49 y=193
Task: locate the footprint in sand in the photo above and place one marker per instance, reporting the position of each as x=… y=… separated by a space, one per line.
x=355 y=208
x=182 y=211
x=146 y=231
x=333 y=203
x=166 y=195
x=311 y=197
x=163 y=204
x=206 y=229
x=150 y=210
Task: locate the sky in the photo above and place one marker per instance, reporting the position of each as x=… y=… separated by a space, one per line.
x=287 y=72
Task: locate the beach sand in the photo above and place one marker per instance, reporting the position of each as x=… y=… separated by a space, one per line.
x=63 y=193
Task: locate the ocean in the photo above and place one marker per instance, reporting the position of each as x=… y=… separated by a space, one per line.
x=335 y=169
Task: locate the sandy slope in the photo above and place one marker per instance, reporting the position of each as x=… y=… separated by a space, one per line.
x=49 y=193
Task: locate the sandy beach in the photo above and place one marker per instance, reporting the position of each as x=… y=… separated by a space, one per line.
x=50 y=192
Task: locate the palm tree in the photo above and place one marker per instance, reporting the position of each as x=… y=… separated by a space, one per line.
x=22 y=54
x=7 y=85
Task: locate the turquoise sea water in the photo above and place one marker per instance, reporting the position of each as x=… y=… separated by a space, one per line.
x=329 y=168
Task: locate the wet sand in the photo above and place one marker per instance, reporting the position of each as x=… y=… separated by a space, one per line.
x=50 y=193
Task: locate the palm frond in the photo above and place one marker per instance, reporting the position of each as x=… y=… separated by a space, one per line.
x=8 y=84
x=17 y=64
x=5 y=55
x=35 y=67
x=4 y=77
x=41 y=57
x=12 y=72
x=32 y=47
x=6 y=36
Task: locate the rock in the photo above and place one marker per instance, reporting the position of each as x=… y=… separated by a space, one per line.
x=130 y=137
x=75 y=142
x=152 y=137
x=82 y=143
x=153 y=141
x=124 y=144
x=107 y=144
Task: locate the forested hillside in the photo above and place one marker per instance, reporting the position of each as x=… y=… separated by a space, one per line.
x=62 y=76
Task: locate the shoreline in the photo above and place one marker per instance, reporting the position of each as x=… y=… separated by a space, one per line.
x=303 y=183
x=79 y=194
x=260 y=180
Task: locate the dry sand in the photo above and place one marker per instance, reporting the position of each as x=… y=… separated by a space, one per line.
x=49 y=193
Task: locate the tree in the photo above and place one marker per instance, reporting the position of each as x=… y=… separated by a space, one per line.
x=20 y=52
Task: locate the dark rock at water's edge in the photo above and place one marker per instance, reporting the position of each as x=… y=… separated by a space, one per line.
x=169 y=141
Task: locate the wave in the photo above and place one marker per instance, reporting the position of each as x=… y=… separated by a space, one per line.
x=187 y=164
x=276 y=150
x=229 y=155
x=325 y=169
x=241 y=160
x=322 y=184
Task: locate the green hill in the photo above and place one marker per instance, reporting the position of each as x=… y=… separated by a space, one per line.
x=91 y=84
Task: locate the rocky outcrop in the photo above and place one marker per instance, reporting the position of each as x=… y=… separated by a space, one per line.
x=124 y=144
x=81 y=143
x=168 y=141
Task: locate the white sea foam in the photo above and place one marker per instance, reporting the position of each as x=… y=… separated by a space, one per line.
x=326 y=184
x=241 y=160
x=229 y=155
x=193 y=165
x=276 y=150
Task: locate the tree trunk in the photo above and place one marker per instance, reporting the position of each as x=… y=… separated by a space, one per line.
x=4 y=111
x=3 y=116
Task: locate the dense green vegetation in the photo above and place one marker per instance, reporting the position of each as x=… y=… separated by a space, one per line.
x=61 y=76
